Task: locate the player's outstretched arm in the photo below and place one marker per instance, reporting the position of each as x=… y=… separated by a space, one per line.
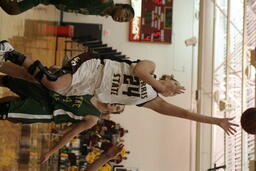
x=76 y=129
x=105 y=157
x=161 y=106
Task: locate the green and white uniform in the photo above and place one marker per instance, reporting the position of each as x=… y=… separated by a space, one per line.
x=87 y=7
x=39 y=105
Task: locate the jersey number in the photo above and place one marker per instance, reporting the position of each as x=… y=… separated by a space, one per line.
x=134 y=90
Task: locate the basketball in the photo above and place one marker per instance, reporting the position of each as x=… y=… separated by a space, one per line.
x=248 y=120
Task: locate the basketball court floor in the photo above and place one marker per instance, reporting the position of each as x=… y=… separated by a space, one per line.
x=21 y=146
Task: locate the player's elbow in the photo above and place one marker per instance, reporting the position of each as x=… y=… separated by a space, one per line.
x=143 y=67
x=148 y=63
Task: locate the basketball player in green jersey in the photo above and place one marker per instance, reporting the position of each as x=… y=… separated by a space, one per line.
x=118 y=12
x=40 y=105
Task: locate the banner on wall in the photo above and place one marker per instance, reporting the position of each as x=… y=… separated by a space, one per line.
x=152 y=22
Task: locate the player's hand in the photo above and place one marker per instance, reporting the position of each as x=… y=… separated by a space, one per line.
x=44 y=158
x=172 y=88
x=114 y=150
x=227 y=125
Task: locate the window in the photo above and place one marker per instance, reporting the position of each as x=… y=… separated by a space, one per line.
x=233 y=80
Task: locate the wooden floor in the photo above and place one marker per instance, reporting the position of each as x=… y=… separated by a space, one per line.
x=21 y=146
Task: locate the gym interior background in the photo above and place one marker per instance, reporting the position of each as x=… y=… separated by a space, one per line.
x=217 y=74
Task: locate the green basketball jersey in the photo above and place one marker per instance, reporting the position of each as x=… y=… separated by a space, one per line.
x=87 y=7
x=72 y=108
x=58 y=109
x=40 y=105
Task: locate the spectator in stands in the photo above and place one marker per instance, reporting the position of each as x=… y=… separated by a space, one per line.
x=106 y=156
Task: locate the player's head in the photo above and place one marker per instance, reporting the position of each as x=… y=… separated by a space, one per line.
x=122 y=13
x=115 y=108
x=172 y=86
x=169 y=79
x=248 y=120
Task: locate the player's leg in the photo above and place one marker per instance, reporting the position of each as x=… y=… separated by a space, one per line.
x=5 y=104
x=10 y=68
x=15 y=71
x=56 y=82
x=29 y=111
x=32 y=105
x=25 y=89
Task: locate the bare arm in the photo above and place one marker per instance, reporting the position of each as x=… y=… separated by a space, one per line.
x=161 y=106
x=105 y=157
x=144 y=70
x=75 y=130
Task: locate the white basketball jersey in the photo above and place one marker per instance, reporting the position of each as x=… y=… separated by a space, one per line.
x=119 y=85
x=111 y=80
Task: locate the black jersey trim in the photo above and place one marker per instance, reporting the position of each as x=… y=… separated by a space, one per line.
x=74 y=64
x=119 y=60
x=142 y=104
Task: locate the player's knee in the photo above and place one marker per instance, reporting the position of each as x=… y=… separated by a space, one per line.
x=54 y=81
x=52 y=85
x=58 y=85
x=28 y=77
x=42 y=71
x=63 y=82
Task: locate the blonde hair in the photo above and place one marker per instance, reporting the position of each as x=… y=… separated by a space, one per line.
x=169 y=77
x=166 y=77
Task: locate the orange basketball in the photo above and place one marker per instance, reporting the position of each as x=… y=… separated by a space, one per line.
x=248 y=120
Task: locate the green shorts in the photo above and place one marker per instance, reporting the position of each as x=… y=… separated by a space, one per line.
x=40 y=105
x=35 y=105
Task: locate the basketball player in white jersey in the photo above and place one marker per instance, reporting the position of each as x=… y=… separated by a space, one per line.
x=111 y=80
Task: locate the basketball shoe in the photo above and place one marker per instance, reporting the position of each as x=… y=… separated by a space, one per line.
x=7 y=53
x=5 y=47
